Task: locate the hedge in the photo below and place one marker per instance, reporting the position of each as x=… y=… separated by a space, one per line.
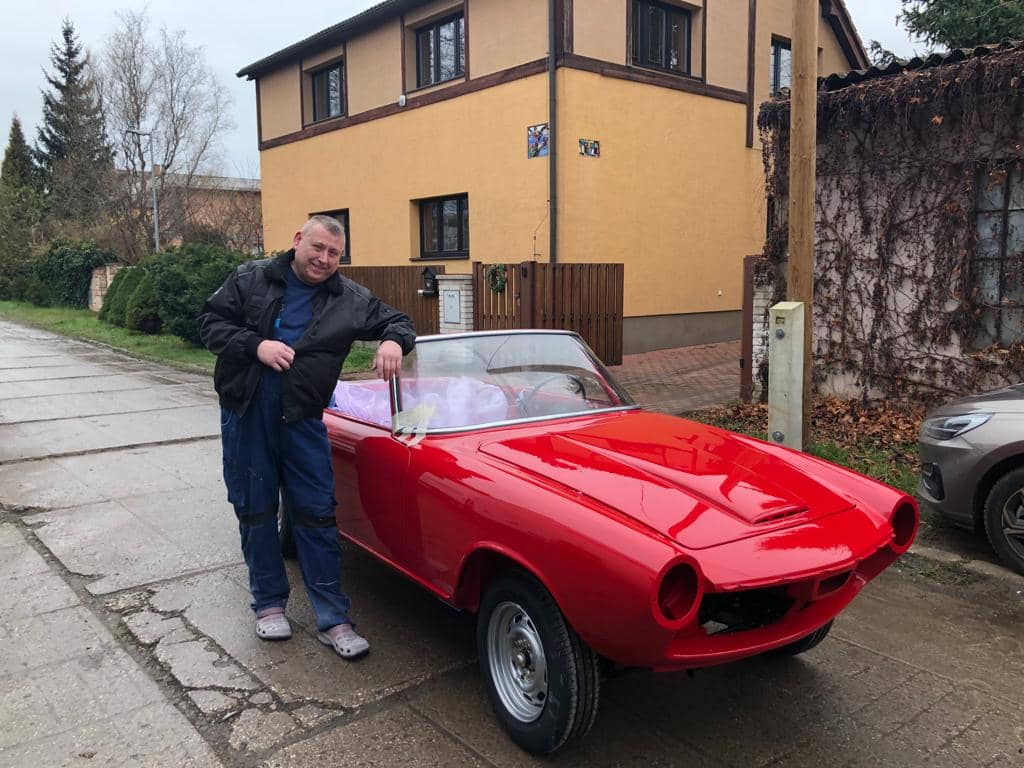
x=112 y=291
x=184 y=278
x=121 y=289
x=64 y=271
x=141 y=310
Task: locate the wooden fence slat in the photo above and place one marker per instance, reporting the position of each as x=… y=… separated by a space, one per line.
x=585 y=298
x=398 y=287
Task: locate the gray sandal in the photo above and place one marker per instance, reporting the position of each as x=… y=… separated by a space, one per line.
x=272 y=624
x=346 y=642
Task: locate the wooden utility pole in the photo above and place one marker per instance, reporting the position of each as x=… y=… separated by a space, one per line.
x=802 y=156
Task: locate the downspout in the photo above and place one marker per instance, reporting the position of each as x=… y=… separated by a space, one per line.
x=552 y=135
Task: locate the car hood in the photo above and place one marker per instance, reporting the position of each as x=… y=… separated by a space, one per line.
x=698 y=485
x=1006 y=400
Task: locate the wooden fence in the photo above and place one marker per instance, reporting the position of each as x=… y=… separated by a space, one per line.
x=398 y=287
x=586 y=298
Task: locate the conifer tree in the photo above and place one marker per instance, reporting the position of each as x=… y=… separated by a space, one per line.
x=75 y=159
x=19 y=169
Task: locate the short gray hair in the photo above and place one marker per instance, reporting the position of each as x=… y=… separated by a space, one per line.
x=329 y=223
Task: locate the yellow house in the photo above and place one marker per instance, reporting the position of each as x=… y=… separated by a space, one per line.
x=445 y=131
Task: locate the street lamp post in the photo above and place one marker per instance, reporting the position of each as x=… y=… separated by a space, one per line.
x=152 y=168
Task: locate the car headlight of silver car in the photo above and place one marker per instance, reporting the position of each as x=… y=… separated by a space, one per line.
x=948 y=427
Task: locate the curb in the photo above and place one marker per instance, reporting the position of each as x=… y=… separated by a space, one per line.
x=978 y=567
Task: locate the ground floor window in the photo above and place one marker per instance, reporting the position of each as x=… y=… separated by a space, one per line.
x=781 y=68
x=997 y=274
x=341 y=215
x=444 y=227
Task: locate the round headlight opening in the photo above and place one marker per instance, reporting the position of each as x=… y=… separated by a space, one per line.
x=678 y=592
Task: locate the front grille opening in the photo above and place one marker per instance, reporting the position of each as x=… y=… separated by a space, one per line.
x=746 y=609
x=832 y=583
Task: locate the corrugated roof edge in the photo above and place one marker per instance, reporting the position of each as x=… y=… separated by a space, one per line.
x=838 y=82
x=332 y=35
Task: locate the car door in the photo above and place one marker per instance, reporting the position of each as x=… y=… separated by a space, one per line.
x=370 y=467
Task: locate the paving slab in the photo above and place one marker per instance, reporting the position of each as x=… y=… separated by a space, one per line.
x=98 y=385
x=68 y=406
x=81 y=370
x=122 y=544
x=68 y=436
x=154 y=736
x=41 y=641
x=258 y=731
x=34 y=594
x=81 y=480
x=398 y=738
x=89 y=687
x=413 y=636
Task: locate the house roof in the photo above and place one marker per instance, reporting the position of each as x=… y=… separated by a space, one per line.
x=833 y=11
x=839 y=81
x=334 y=35
x=202 y=181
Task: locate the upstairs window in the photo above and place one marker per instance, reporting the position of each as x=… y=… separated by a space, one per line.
x=661 y=36
x=782 y=67
x=444 y=228
x=329 y=92
x=441 y=51
x=997 y=274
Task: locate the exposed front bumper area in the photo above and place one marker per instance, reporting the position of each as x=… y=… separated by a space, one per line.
x=755 y=614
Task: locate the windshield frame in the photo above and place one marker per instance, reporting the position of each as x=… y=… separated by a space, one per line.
x=395 y=390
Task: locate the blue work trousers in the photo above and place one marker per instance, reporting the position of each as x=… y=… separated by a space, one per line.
x=262 y=455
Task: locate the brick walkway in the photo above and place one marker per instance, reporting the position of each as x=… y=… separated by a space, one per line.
x=682 y=379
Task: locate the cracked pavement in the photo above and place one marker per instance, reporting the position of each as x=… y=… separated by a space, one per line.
x=128 y=638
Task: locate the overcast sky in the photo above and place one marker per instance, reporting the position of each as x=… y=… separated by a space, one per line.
x=233 y=34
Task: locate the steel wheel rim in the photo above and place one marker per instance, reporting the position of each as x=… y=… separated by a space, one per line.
x=515 y=657
x=1013 y=522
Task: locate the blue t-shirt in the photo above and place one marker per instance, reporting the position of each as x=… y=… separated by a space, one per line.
x=296 y=310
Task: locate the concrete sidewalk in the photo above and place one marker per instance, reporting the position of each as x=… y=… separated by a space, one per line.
x=127 y=638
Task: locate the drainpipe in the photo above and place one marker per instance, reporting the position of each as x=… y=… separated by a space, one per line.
x=552 y=136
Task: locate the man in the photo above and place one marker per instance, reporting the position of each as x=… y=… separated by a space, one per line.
x=281 y=329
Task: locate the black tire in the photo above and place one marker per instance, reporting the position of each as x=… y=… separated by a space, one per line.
x=1004 y=518
x=804 y=644
x=286 y=532
x=568 y=706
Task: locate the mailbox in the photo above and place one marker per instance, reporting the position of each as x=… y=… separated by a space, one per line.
x=429 y=282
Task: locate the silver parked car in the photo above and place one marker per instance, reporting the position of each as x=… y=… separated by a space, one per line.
x=972 y=467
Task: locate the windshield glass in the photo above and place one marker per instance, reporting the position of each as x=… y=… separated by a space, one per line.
x=467 y=381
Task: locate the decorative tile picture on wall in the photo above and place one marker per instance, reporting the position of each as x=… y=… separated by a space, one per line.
x=590 y=148
x=537 y=141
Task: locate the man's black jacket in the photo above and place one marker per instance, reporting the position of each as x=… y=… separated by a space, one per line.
x=241 y=314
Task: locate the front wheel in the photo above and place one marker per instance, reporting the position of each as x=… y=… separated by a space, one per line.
x=1004 y=518
x=805 y=643
x=541 y=679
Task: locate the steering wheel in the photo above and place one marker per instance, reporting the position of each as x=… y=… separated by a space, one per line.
x=523 y=399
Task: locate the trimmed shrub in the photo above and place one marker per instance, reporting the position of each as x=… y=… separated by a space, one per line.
x=116 y=304
x=65 y=270
x=112 y=291
x=141 y=310
x=184 y=278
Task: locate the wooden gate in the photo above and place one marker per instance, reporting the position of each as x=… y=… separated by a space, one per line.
x=586 y=298
x=398 y=287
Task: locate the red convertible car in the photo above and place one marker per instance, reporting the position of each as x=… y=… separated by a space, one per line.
x=507 y=473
